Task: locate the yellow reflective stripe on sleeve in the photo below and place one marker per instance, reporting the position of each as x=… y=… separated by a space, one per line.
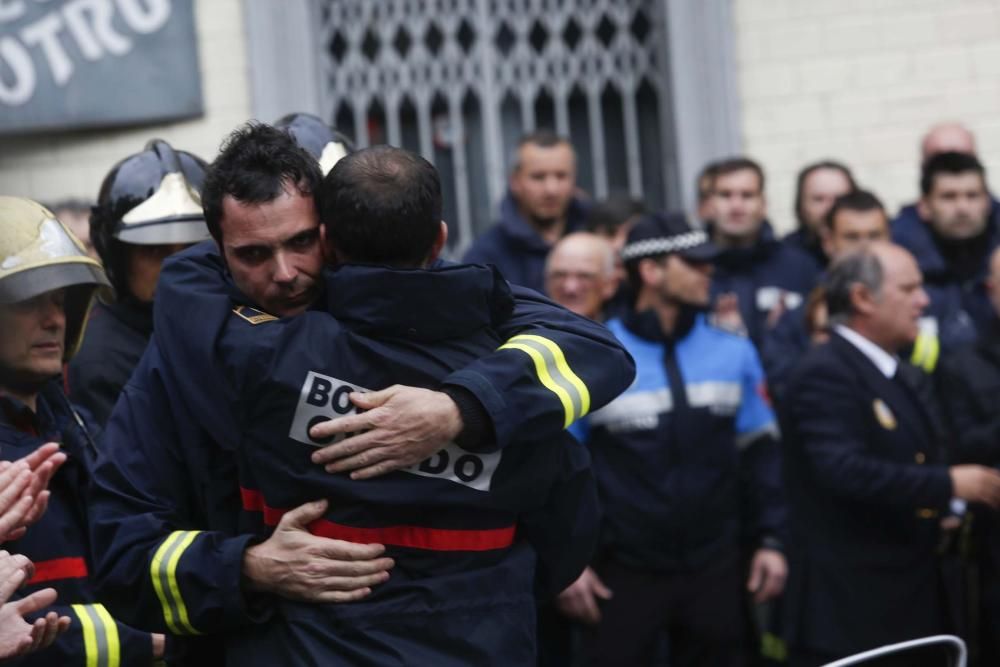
x=926 y=350
x=111 y=636
x=554 y=374
x=100 y=635
x=163 y=571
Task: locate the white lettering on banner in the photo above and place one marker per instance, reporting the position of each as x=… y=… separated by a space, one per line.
x=148 y=20
x=87 y=23
x=323 y=398
x=10 y=10
x=16 y=56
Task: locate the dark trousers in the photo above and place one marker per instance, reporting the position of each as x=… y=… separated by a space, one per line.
x=702 y=613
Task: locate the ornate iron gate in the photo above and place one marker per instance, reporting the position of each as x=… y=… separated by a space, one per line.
x=460 y=80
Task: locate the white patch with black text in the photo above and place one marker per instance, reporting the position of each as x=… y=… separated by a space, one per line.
x=324 y=398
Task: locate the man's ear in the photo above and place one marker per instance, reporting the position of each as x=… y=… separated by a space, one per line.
x=439 y=242
x=826 y=240
x=923 y=209
x=862 y=299
x=650 y=271
x=326 y=245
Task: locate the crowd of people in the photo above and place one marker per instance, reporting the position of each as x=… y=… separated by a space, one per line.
x=261 y=419
x=811 y=415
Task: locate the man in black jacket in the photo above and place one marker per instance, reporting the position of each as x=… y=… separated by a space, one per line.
x=866 y=478
x=970 y=388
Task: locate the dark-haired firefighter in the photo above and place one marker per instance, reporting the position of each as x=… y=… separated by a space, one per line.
x=551 y=368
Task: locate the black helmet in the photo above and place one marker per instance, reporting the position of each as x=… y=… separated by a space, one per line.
x=39 y=254
x=325 y=144
x=150 y=198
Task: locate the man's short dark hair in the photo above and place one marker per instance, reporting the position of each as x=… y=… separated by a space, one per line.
x=382 y=205
x=856 y=200
x=706 y=178
x=861 y=267
x=806 y=171
x=734 y=164
x=543 y=138
x=948 y=163
x=257 y=163
x=608 y=215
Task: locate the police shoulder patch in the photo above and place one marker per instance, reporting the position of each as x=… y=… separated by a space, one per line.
x=252 y=315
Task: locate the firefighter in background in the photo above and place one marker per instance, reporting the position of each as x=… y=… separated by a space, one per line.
x=149 y=207
x=47 y=284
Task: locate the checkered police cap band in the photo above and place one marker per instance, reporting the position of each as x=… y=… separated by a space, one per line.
x=663 y=245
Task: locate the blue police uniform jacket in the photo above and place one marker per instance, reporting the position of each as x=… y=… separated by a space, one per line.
x=166 y=496
x=514 y=247
x=867 y=488
x=57 y=544
x=686 y=460
x=959 y=304
x=465 y=560
x=762 y=276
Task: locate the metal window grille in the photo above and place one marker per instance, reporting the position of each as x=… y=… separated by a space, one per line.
x=459 y=81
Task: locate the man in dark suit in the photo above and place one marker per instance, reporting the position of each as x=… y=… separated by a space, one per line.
x=867 y=482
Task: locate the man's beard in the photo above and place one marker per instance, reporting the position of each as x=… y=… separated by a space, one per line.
x=543 y=223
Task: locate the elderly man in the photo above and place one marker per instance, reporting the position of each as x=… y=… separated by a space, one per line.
x=541 y=207
x=865 y=472
x=853 y=221
x=580 y=274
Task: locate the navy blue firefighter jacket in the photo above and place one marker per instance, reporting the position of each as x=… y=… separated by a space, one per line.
x=166 y=481
x=464 y=528
x=58 y=545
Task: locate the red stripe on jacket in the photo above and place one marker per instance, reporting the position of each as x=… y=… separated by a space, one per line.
x=416 y=537
x=59 y=568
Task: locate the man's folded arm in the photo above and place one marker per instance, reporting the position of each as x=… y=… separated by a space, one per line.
x=553 y=368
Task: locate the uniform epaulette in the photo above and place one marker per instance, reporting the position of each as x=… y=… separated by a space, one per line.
x=252 y=315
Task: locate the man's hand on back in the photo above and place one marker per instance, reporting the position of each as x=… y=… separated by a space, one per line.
x=298 y=565
x=401 y=427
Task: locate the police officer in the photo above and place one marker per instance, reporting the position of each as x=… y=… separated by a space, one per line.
x=46 y=287
x=149 y=207
x=157 y=487
x=864 y=468
x=687 y=469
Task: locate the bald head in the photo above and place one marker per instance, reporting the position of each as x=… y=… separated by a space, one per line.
x=947 y=138
x=580 y=273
